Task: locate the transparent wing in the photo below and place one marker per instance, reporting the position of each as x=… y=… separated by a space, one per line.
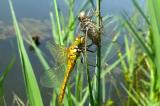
x=109 y=50
x=59 y=52
x=53 y=77
x=109 y=37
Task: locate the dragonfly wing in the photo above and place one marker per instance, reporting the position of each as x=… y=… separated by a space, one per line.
x=109 y=49
x=110 y=46
x=53 y=77
x=59 y=52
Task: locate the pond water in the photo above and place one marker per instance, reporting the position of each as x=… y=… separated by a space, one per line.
x=39 y=9
x=35 y=11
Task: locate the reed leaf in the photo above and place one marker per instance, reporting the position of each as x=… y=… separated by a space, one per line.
x=58 y=22
x=141 y=11
x=2 y=80
x=31 y=85
x=54 y=29
x=138 y=38
x=37 y=51
x=154 y=7
x=4 y=74
x=99 y=95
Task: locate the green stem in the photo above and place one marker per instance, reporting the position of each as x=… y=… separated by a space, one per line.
x=99 y=75
x=58 y=22
x=99 y=55
x=88 y=75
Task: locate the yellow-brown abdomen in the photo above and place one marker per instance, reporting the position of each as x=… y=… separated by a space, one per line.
x=70 y=67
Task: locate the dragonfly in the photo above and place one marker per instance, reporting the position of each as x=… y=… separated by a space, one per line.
x=67 y=58
x=90 y=29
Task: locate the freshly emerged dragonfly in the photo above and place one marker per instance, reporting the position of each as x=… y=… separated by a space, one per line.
x=66 y=59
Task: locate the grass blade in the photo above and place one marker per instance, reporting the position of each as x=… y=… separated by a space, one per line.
x=98 y=102
x=58 y=22
x=38 y=52
x=154 y=7
x=32 y=89
x=138 y=37
x=2 y=78
x=4 y=74
x=141 y=12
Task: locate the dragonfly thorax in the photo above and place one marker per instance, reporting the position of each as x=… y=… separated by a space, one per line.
x=79 y=41
x=76 y=48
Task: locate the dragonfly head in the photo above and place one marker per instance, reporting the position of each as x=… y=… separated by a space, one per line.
x=82 y=16
x=80 y=40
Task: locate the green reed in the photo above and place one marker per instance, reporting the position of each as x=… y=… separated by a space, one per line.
x=2 y=81
x=32 y=89
x=99 y=19
x=142 y=73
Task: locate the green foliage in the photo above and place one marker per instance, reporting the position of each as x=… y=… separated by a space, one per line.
x=2 y=80
x=32 y=89
x=4 y=74
x=153 y=8
x=141 y=73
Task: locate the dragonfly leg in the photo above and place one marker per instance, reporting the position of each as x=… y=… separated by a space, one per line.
x=92 y=51
x=82 y=60
x=91 y=65
x=89 y=45
x=88 y=50
x=86 y=39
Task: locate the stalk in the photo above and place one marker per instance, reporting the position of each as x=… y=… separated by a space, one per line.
x=155 y=28
x=31 y=85
x=88 y=75
x=99 y=55
x=58 y=22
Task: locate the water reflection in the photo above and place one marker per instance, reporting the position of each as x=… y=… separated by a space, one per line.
x=32 y=27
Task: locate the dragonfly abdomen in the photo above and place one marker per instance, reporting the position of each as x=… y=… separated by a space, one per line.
x=73 y=53
x=70 y=67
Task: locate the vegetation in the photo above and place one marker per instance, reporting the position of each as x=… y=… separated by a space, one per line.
x=132 y=75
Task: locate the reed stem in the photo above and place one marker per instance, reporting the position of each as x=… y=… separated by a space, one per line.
x=88 y=75
x=99 y=55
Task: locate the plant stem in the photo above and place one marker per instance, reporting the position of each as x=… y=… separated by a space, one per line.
x=99 y=54
x=88 y=75
x=58 y=22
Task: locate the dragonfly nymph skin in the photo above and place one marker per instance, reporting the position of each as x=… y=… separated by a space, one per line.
x=73 y=52
x=89 y=28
